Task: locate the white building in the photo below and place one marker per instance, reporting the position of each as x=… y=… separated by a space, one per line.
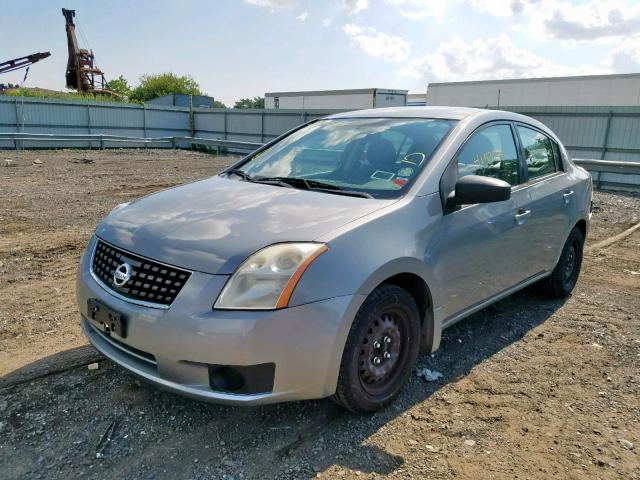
x=417 y=99
x=356 y=99
x=592 y=90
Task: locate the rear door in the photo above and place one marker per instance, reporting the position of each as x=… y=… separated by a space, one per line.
x=480 y=252
x=545 y=200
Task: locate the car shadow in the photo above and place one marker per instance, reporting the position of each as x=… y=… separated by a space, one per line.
x=51 y=365
x=295 y=440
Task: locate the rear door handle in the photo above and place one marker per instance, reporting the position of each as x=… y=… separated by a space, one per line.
x=521 y=216
x=567 y=196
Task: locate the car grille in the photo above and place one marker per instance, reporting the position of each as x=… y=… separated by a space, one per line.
x=150 y=282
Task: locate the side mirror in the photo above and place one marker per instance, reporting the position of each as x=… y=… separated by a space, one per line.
x=477 y=189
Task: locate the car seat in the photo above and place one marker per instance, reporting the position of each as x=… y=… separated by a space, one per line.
x=380 y=154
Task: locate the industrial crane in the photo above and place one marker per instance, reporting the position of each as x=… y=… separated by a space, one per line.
x=17 y=63
x=82 y=73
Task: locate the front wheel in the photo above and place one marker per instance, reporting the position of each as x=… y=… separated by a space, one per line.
x=565 y=275
x=380 y=352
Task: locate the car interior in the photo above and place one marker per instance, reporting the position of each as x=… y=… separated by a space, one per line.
x=382 y=160
x=490 y=153
x=539 y=153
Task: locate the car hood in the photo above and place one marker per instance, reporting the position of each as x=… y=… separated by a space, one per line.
x=214 y=224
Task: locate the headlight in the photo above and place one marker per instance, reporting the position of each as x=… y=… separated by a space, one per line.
x=266 y=279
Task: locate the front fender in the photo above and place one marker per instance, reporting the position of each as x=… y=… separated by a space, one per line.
x=365 y=254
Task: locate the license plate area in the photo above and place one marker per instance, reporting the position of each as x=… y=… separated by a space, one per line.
x=108 y=319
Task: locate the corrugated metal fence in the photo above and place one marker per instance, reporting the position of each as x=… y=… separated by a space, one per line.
x=18 y=114
x=250 y=125
x=602 y=133
x=588 y=132
x=29 y=115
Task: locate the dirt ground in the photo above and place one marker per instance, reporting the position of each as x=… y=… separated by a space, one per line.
x=532 y=388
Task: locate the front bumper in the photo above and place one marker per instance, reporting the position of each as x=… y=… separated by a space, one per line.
x=174 y=348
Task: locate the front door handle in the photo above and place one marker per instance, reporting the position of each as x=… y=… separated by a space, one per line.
x=567 y=196
x=521 y=216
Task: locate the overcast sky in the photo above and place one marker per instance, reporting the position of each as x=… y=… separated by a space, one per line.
x=242 y=48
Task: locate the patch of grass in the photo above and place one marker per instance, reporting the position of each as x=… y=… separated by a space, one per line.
x=42 y=93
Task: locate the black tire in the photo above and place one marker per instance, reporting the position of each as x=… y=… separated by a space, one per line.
x=565 y=275
x=390 y=313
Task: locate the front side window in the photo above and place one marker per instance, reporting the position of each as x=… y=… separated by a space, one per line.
x=490 y=152
x=378 y=156
x=538 y=152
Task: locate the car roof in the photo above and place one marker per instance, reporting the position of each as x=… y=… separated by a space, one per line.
x=477 y=115
x=451 y=113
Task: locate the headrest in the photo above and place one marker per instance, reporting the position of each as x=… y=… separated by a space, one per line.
x=380 y=152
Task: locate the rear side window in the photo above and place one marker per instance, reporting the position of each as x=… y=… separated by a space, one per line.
x=539 y=152
x=490 y=152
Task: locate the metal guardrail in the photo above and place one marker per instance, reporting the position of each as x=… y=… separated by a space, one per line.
x=18 y=138
x=606 y=174
x=627 y=168
x=220 y=143
x=612 y=175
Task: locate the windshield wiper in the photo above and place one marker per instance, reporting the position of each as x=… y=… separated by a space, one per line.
x=341 y=191
x=313 y=185
x=288 y=181
x=297 y=182
x=331 y=188
x=271 y=181
x=241 y=173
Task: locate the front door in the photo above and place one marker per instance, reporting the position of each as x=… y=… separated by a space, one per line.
x=478 y=248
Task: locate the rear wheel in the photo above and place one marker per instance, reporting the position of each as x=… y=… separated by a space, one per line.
x=565 y=275
x=381 y=350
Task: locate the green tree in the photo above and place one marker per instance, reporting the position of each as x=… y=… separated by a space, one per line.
x=154 y=86
x=217 y=104
x=120 y=86
x=255 y=102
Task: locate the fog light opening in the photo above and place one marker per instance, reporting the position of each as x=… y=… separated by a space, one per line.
x=226 y=379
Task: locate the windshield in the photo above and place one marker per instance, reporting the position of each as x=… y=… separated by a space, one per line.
x=377 y=156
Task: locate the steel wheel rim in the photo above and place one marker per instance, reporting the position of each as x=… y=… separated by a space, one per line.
x=382 y=351
x=570 y=263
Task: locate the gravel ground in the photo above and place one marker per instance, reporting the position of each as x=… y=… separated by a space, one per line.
x=47 y=214
x=531 y=388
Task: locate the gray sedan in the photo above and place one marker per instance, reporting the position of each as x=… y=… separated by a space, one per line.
x=324 y=262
